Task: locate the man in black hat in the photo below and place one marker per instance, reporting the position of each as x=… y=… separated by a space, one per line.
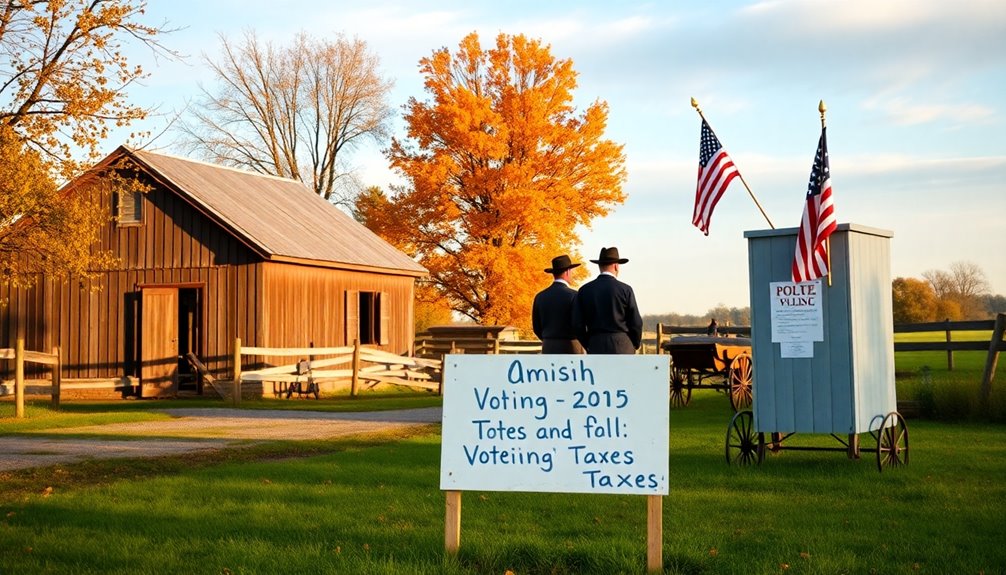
x=551 y=314
x=605 y=315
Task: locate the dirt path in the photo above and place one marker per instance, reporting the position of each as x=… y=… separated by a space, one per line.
x=192 y=430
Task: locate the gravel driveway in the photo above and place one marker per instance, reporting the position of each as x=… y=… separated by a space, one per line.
x=193 y=430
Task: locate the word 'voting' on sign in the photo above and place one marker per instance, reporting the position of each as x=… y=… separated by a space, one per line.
x=555 y=423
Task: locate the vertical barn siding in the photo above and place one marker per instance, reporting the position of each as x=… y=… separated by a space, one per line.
x=304 y=305
x=174 y=244
x=19 y=317
x=265 y=304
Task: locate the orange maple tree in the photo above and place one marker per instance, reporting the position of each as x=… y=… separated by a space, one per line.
x=500 y=170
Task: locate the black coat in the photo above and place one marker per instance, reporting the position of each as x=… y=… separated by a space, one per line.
x=606 y=317
x=551 y=319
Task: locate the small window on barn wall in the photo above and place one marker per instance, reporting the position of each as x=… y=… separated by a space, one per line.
x=367 y=317
x=129 y=207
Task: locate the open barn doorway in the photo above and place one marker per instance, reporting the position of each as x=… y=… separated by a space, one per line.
x=169 y=329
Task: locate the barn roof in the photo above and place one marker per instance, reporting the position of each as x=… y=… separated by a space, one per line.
x=281 y=219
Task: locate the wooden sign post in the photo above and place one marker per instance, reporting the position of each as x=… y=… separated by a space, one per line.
x=559 y=424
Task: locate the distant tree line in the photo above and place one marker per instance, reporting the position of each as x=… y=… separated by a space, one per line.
x=962 y=293
x=724 y=316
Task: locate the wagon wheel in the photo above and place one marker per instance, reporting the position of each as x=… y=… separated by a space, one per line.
x=681 y=387
x=744 y=445
x=892 y=442
x=741 y=377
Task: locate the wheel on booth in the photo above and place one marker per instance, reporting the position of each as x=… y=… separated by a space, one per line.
x=681 y=387
x=744 y=445
x=892 y=442
x=741 y=380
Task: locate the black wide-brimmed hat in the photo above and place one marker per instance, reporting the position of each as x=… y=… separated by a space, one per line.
x=561 y=264
x=609 y=256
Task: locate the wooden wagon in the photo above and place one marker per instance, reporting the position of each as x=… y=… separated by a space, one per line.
x=722 y=363
x=837 y=378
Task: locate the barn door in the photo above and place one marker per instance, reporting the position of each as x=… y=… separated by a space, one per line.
x=159 y=342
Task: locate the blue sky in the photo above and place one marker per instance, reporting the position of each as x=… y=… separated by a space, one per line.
x=915 y=90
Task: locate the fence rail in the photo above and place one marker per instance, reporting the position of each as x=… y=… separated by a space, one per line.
x=21 y=356
x=993 y=346
x=427 y=346
x=357 y=365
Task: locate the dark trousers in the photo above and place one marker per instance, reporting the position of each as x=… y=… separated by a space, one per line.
x=561 y=346
x=610 y=343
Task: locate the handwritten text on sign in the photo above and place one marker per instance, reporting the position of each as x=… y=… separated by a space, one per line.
x=555 y=423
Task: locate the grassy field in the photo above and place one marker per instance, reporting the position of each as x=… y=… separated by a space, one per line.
x=374 y=507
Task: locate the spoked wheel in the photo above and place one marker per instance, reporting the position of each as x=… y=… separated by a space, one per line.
x=892 y=442
x=741 y=377
x=744 y=445
x=681 y=387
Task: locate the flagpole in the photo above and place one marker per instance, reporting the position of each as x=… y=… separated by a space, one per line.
x=827 y=241
x=695 y=104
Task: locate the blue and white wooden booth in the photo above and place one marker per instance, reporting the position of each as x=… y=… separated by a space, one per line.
x=823 y=351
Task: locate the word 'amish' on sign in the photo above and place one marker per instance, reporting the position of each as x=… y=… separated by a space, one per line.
x=555 y=423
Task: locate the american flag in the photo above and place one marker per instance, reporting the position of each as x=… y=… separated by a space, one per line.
x=811 y=260
x=716 y=170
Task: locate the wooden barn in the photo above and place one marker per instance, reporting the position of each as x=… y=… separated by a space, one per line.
x=208 y=254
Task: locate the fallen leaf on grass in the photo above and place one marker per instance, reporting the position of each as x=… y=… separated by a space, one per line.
x=47 y=491
x=713 y=552
x=804 y=555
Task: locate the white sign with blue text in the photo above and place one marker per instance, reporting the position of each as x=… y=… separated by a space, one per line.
x=555 y=423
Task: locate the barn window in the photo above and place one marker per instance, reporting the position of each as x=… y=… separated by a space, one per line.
x=367 y=317
x=129 y=207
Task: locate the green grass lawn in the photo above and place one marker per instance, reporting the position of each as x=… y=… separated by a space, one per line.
x=374 y=507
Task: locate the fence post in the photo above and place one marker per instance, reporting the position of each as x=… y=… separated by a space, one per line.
x=236 y=384
x=19 y=378
x=660 y=336
x=993 y=358
x=356 y=368
x=496 y=347
x=57 y=371
x=950 y=353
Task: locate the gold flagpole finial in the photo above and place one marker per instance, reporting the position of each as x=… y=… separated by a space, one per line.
x=822 y=108
x=695 y=104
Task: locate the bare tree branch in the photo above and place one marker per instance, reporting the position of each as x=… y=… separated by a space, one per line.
x=293 y=111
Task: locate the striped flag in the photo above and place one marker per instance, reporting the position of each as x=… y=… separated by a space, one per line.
x=716 y=170
x=811 y=259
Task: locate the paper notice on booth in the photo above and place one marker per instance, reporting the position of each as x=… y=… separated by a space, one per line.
x=796 y=312
x=796 y=349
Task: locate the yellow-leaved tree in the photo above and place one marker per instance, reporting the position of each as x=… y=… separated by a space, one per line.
x=500 y=170
x=64 y=74
x=64 y=77
x=41 y=229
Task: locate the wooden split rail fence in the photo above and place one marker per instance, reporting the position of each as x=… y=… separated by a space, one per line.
x=431 y=347
x=21 y=356
x=993 y=346
x=357 y=365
